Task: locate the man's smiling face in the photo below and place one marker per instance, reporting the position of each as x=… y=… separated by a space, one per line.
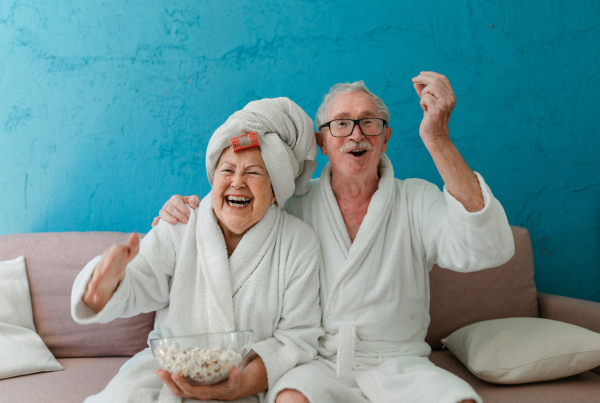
x=356 y=154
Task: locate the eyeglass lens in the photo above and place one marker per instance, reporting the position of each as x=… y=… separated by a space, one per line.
x=344 y=127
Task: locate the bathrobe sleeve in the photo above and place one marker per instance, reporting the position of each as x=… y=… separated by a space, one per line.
x=296 y=334
x=459 y=240
x=145 y=286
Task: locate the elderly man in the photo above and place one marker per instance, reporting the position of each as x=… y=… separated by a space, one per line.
x=380 y=237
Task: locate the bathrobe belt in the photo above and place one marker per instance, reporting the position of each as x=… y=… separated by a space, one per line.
x=349 y=346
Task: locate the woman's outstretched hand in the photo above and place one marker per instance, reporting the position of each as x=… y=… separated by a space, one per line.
x=109 y=273
x=174 y=209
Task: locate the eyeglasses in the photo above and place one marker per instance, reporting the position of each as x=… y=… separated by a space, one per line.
x=344 y=127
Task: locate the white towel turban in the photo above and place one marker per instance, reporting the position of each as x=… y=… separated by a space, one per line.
x=287 y=143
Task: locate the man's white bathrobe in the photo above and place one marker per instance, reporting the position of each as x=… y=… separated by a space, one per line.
x=375 y=290
x=269 y=285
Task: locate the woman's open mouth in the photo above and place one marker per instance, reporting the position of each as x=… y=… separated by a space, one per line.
x=237 y=201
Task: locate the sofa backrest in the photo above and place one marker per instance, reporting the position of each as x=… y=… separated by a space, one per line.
x=460 y=299
x=53 y=261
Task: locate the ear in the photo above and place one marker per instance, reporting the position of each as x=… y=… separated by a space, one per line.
x=319 y=138
x=386 y=138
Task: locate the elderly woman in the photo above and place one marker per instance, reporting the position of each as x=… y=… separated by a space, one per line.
x=239 y=263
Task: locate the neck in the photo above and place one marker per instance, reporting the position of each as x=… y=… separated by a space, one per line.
x=353 y=195
x=353 y=188
x=231 y=239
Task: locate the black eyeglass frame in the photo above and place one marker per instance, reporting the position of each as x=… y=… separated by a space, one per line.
x=354 y=123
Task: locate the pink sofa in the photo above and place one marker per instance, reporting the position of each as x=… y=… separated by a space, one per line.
x=93 y=354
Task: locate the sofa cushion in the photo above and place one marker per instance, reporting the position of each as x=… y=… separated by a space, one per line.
x=82 y=377
x=460 y=299
x=53 y=261
x=523 y=350
x=21 y=349
x=582 y=388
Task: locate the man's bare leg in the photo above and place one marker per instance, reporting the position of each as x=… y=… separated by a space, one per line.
x=293 y=396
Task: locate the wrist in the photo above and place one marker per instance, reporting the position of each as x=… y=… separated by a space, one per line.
x=437 y=144
x=239 y=391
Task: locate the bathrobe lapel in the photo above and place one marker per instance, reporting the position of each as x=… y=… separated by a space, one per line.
x=223 y=275
x=375 y=221
x=214 y=268
x=253 y=248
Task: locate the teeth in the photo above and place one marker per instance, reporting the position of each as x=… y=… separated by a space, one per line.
x=237 y=201
x=238 y=198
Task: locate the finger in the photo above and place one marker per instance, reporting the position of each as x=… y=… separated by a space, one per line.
x=186 y=388
x=438 y=78
x=432 y=74
x=434 y=91
x=419 y=88
x=428 y=102
x=193 y=201
x=179 y=203
x=234 y=374
x=444 y=97
x=133 y=245
x=92 y=288
x=165 y=377
x=423 y=79
x=110 y=264
x=176 y=213
x=155 y=222
x=165 y=215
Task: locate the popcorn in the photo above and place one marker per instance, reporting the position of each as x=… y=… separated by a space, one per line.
x=197 y=365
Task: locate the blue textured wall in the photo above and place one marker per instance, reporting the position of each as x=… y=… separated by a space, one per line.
x=106 y=106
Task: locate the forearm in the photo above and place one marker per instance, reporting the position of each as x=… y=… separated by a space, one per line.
x=459 y=179
x=253 y=378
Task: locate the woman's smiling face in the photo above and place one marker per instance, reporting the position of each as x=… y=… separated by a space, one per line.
x=242 y=191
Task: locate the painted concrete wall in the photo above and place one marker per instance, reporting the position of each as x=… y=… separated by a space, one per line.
x=106 y=106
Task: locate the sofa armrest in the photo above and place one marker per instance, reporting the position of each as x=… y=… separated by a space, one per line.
x=570 y=310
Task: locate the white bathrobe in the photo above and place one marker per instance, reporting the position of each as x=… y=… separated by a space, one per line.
x=375 y=290
x=269 y=285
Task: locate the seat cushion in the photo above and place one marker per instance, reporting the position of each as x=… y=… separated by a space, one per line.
x=461 y=299
x=53 y=261
x=81 y=378
x=582 y=388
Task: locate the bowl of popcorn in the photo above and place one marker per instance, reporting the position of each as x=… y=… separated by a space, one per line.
x=202 y=359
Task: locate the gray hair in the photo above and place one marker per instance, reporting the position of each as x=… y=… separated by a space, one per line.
x=357 y=86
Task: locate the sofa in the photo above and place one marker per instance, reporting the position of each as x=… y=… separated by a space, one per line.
x=92 y=354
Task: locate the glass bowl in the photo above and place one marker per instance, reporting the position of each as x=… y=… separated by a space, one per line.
x=202 y=359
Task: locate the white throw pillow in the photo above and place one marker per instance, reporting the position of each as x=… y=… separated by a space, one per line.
x=22 y=351
x=521 y=350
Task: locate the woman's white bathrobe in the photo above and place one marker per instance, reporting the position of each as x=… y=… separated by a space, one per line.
x=269 y=285
x=375 y=291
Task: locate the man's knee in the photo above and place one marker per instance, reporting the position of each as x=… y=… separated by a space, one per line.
x=290 y=396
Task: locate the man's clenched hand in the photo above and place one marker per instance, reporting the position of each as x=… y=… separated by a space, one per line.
x=437 y=101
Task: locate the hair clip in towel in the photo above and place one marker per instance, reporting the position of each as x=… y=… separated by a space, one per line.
x=244 y=141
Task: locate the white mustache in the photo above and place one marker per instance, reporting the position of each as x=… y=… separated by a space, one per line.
x=364 y=144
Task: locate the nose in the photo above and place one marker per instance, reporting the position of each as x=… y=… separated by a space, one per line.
x=238 y=180
x=356 y=134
